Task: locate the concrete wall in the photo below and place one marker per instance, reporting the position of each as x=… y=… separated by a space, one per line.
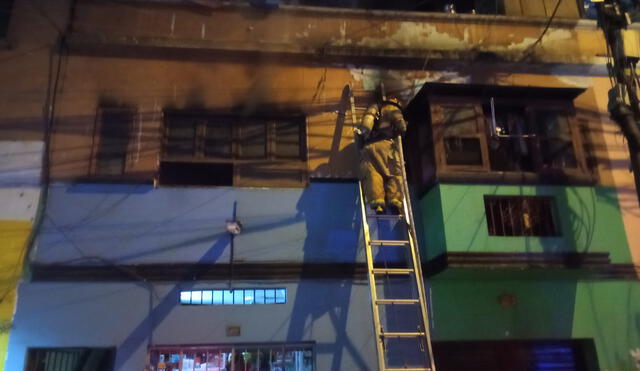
x=588 y=219
x=129 y=224
x=26 y=74
x=20 y=166
x=336 y=315
x=606 y=312
x=344 y=31
x=140 y=224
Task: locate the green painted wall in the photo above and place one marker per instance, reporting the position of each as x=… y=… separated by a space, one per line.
x=470 y=309
x=432 y=225
x=466 y=307
x=589 y=218
x=609 y=312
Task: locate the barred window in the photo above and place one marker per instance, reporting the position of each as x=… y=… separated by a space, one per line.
x=236 y=357
x=70 y=359
x=520 y=216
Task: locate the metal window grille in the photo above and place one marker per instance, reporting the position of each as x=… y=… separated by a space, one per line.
x=520 y=216
x=70 y=359
x=233 y=357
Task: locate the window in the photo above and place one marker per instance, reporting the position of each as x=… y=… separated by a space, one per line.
x=236 y=357
x=465 y=6
x=461 y=6
x=530 y=139
x=555 y=139
x=112 y=132
x=463 y=135
x=544 y=8
x=70 y=359
x=520 y=216
x=208 y=149
x=507 y=135
x=6 y=8
x=632 y=7
x=234 y=297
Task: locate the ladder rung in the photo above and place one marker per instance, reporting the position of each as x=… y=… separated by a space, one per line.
x=397 y=301
x=402 y=334
x=390 y=242
x=408 y=369
x=385 y=216
x=392 y=271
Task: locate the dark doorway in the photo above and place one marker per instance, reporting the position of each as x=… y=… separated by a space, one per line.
x=516 y=355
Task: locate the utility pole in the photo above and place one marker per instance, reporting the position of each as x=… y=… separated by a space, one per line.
x=623 y=106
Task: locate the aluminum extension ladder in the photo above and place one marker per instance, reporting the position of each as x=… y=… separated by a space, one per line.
x=402 y=346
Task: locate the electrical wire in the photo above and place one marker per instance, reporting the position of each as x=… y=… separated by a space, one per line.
x=527 y=52
x=50 y=109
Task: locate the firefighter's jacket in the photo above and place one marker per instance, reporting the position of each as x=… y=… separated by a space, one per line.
x=381 y=122
x=380 y=169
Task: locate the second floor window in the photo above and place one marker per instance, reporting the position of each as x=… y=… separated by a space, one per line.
x=207 y=149
x=530 y=140
x=6 y=8
x=520 y=216
x=507 y=135
x=113 y=131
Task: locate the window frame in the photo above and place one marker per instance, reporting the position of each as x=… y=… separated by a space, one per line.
x=232 y=349
x=5 y=22
x=438 y=102
x=237 y=125
x=437 y=119
x=554 y=229
x=97 y=141
x=34 y=355
x=268 y=170
x=276 y=300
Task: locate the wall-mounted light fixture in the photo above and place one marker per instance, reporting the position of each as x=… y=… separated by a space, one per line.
x=234 y=227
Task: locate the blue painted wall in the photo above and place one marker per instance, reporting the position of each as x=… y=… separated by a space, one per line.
x=134 y=224
x=336 y=314
x=138 y=224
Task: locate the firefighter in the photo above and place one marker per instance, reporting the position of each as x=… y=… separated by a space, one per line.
x=380 y=167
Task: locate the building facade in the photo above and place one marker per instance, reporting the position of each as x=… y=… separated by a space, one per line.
x=160 y=124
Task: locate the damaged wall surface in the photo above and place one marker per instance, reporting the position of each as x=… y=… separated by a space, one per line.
x=153 y=58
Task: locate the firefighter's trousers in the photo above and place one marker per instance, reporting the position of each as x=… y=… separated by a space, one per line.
x=381 y=174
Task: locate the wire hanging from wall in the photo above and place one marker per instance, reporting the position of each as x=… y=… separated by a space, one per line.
x=528 y=51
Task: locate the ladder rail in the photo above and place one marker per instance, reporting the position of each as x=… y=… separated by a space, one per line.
x=367 y=244
x=416 y=269
x=415 y=253
x=372 y=279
